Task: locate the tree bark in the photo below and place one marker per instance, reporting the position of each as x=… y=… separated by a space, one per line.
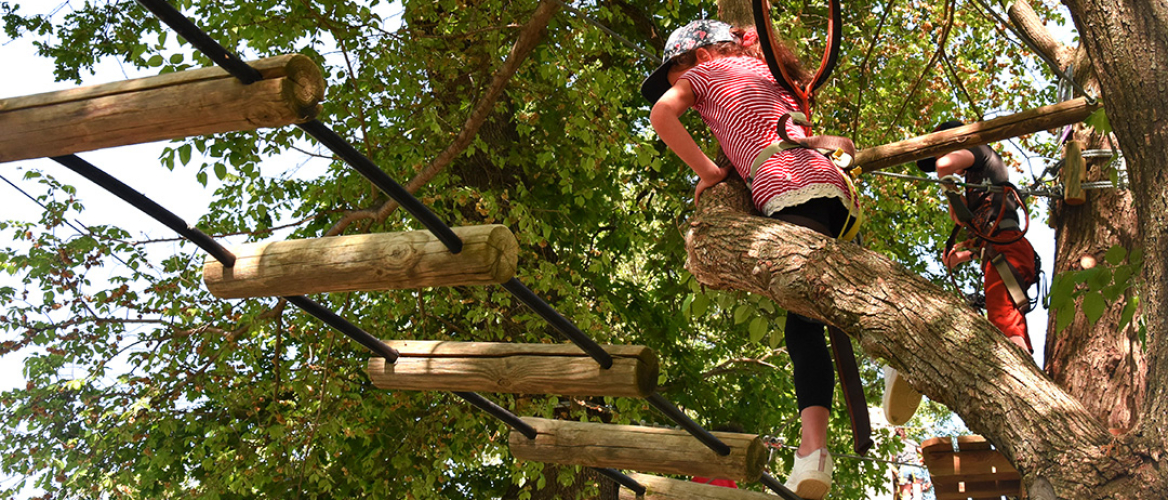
x=1099 y=364
x=950 y=354
x=1128 y=44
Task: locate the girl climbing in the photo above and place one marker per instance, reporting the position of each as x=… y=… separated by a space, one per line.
x=719 y=71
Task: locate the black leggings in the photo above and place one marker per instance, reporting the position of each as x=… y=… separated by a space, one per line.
x=814 y=374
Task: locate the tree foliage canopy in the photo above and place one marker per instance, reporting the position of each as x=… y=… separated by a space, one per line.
x=143 y=385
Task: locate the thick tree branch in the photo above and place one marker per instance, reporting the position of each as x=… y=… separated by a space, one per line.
x=951 y=354
x=1030 y=26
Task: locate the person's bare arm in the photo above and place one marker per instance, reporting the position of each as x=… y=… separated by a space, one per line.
x=666 y=120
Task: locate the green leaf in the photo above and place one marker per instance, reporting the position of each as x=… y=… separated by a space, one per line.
x=220 y=171
x=758 y=328
x=1063 y=318
x=154 y=61
x=1098 y=121
x=1112 y=293
x=1136 y=258
x=1060 y=291
x=700 y=303
x=767 y=305
x=1100 y=279
x=1093 y=306
x=184 y=154
x=1129 y=310
x=1115 y=255
x=1122 y=276
x=742 y=313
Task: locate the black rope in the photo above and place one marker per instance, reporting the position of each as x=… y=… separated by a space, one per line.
x=200 y=40
x=371 y=171
x=777 y=487
x=344 y=326
x=664 y=406
x=498 y=412
x=566 y=327
x=148 y=206
x=622 y=479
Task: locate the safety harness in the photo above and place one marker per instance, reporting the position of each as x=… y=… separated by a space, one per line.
x=840 y=151
x=984 y=227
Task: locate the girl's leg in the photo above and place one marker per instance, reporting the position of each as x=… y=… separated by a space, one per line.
x=814 y=377
x=814 y=436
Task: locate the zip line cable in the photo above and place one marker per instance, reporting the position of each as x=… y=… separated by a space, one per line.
x=646 y=54
x=1050 y=193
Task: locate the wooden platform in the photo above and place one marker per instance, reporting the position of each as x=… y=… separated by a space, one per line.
x=976 y=470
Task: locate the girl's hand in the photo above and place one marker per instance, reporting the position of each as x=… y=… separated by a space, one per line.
x=719 y=175
x=956 y=257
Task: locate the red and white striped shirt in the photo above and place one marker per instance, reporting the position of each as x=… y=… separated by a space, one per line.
x=741 y=103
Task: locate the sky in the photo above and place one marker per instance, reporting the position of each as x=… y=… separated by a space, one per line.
x=178 y=191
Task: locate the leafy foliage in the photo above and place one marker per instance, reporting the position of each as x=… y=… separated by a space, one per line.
x=1113 y=281
x=142 y=385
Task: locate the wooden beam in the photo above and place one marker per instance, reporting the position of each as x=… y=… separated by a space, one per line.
x=515 y=368
x=169 y=106
x=661 y=488
x=412 y=259
x=1074 y=171
x=646 y=449
x=974 y=134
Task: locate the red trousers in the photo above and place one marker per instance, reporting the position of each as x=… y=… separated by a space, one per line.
x=999 y=307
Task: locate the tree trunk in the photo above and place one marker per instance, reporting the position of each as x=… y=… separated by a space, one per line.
x=1128 y=44
x=950 y=353
x=1099 y=364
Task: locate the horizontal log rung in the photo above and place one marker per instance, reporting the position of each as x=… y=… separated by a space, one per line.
x=367 y=262
x=661 y=488
x=171 y=106
x=561 y=369
x=645 y=449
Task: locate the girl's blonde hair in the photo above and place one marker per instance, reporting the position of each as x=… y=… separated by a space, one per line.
x=783 y=53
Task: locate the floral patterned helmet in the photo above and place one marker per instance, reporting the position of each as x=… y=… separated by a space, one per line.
x=684 y=39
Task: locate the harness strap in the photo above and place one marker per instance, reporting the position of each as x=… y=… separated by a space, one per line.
x=853 y=388
x=769 y=42
x=1010 y=278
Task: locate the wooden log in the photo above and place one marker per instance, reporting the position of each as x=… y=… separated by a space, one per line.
x=974 y=134
x=646 y=449
x=515 y=368
x=1074 y=171
x=661 y=488
x=412 y=259
x=169 y=106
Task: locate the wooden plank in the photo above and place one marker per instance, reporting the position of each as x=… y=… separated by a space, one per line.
x=975 y=470
x=383 y=261
x=646 y=449
x=986 y=490
x=974 y=134
x=1074 y=171
x=661 y=488
x=968 y=462
x=170 y=106
x=515 y=368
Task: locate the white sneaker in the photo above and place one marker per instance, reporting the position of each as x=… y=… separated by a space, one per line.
x=810 y=477
x=900 y=399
